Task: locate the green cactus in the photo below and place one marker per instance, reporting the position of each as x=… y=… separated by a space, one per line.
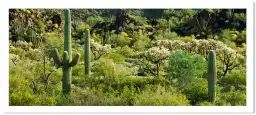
x=66 y=63
x=212 y=76
x=87 y=53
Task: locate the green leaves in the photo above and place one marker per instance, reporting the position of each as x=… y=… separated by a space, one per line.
x=185 y=67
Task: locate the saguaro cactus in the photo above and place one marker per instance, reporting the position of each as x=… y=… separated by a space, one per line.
x=66 y=63
x=212 y=76
x=87 y=56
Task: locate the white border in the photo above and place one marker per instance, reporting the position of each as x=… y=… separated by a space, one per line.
x=124 y=4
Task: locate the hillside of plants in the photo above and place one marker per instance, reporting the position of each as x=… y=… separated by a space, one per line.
x=127 y=57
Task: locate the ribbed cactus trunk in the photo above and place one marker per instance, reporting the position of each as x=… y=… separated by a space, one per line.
x=87 y=56
x=66 y=63
x=212 y=76
x=67 y=53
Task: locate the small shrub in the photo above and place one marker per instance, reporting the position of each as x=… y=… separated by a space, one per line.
x=160 y=96
x=196 y=91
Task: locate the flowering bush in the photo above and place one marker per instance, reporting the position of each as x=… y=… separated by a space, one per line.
x=98 y=50
x=156 y=55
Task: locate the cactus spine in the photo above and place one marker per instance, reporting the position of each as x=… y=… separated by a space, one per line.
x=67 y=63
x=87 y=53
x=212 y=76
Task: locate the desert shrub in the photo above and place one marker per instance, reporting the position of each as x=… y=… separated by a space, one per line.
x=29 y=99
x=236 y=78
x=79 y=31
x=113 y=99
x=141 y=42
x=108 y=72
x=135 y=81
x=16 y=51
x=117 y=58
x=233 y=97
x=161 y=96
x=104 y=68
x=79 y=97
x=184 y=67
x=53 y=40
x=161 y=35
x=34 y=55
x=78 y=74
x=125 y=51
x=123 y=39
x=196 y=91
x=23 y=44
x=129 y=95
x=23 y=98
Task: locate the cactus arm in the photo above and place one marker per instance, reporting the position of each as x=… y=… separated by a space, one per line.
x=87 y=53
x=75 y=60
x=212 y=76
x=56 y=57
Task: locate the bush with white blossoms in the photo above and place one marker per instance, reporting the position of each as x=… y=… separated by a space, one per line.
x=229 y=59
x=98 y=50
x=156 y=55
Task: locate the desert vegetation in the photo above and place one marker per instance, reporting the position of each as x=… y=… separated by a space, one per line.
x=127 y=57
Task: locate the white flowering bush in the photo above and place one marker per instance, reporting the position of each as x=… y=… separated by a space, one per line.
x=230 y=59
x=155 y=55
x=98 y=50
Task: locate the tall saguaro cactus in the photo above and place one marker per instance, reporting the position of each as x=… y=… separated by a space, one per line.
x=67 y=63
x=87 y=53
x=212 y=76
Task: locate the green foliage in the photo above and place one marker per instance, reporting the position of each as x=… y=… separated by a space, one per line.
x=125 y=51
x=118 y=58
x=34 y=55
x=162 y=35
x=196 y=91
x=16 y=51
x=233 y=97
x=104 y=68
x=123 y=39
x=133 y=55
x=184 y=67
x=161 y=96
x=24 y=98
x=142 y=41
x=237 y=79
